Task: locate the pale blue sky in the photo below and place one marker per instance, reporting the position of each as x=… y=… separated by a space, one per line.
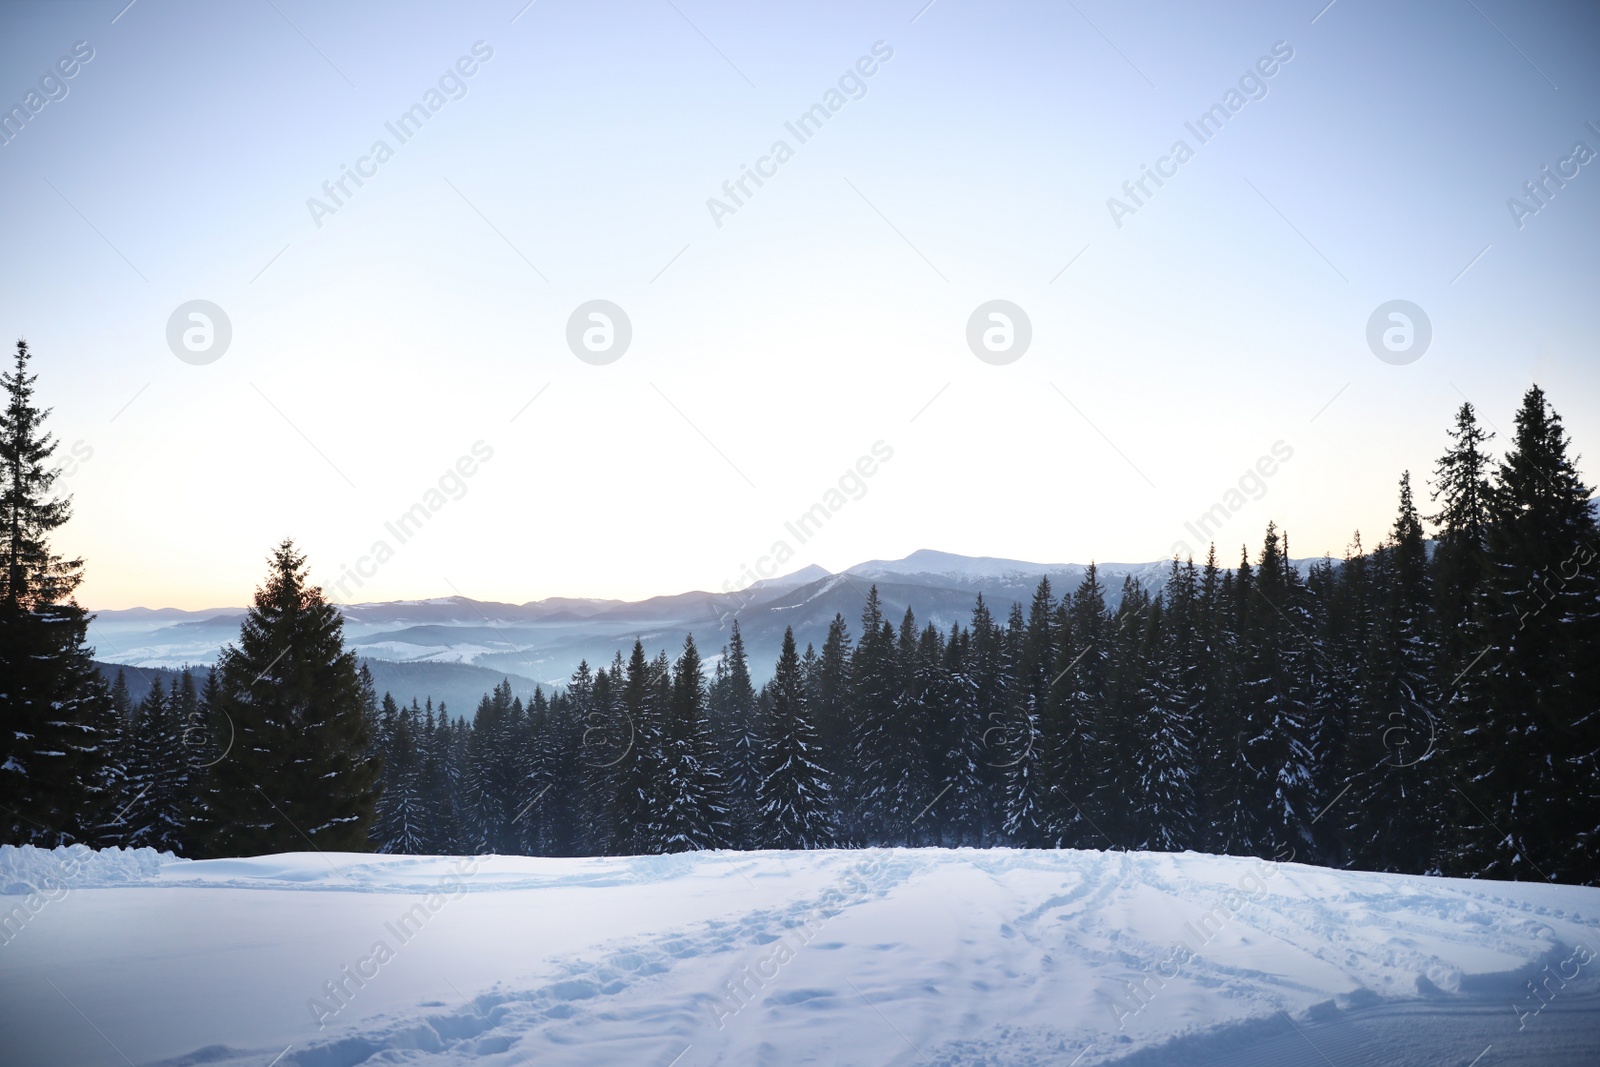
x=371 y=352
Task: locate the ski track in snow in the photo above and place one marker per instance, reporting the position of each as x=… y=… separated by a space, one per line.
x=896 y=956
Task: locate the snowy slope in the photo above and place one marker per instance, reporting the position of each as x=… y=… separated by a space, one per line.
x=872 y=957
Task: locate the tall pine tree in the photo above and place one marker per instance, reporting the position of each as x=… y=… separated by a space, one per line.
x=795 y=810
x=298 y=774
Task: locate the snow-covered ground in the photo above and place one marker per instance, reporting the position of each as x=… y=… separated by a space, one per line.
x=872 y=957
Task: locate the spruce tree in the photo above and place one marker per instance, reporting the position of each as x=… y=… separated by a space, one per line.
x=1219 y=739
x=831 y=704
x=369 y=711
x=875 y=677
x=121 y=702
x=1164 y=757
x=207 y=738
x=496 y=781
x=795 y=810
x=1275 y=695
x=109 y=829
x=635 y=777
x=297 y=775
x=1342 y=743
x=738 y=731
x=691 y=810
x=1461 y=563
x=1536 y=803
x=601 y=738
x=1242 y=798
x=535 y=820
x=907 y=784
x=1028 y=821
x=1372 y=704
x=1119 y=809
x=142 y=804
x=1398 y=814
x=442 y=830
x=987 y=668
x=1079 y=770
x=401 y=824
x=60 y=728
x=1009 y=737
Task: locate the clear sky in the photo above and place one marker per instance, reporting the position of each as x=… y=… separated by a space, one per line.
x=381 y=333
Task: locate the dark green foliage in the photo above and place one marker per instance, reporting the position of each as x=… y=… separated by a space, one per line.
x=298 y=775
x=59 y=728
x=794 y=808
x=689 y=798
x=737 y=728
x=1531 y=807
x=1424 y=707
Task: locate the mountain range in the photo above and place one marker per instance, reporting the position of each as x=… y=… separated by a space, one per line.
x=455 y=648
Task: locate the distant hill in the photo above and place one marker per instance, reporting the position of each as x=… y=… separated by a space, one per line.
x=458 y=685
x=457 y=648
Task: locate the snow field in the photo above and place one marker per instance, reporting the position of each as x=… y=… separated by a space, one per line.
x=874 y=957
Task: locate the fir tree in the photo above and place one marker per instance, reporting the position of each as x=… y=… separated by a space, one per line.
x=369 y=711
x=1028 y=821
x=1341 y=744
x=442 y=828
x=1461 y=562
x=738 y=731
x=1274 y=695
x=909 y=781
x=121 y=703
x=603 y=737
x=690 y=809
x=401 y=825
x=151 y=815
x=496 y=772
x=1243 y=799
x=1164 y=758
x=535 y=819
x=60 y=728
x=875 y=691
x=1119 y=808
x=635 y=803
x=831 y=703
x=987 y=668
x=297 y=774
x=1219 y=736
x=1079 y=767
x=1533 y=809
x=793 y=801
x=964 y=806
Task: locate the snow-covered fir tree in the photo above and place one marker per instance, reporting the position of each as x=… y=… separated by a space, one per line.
x=794 y=804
